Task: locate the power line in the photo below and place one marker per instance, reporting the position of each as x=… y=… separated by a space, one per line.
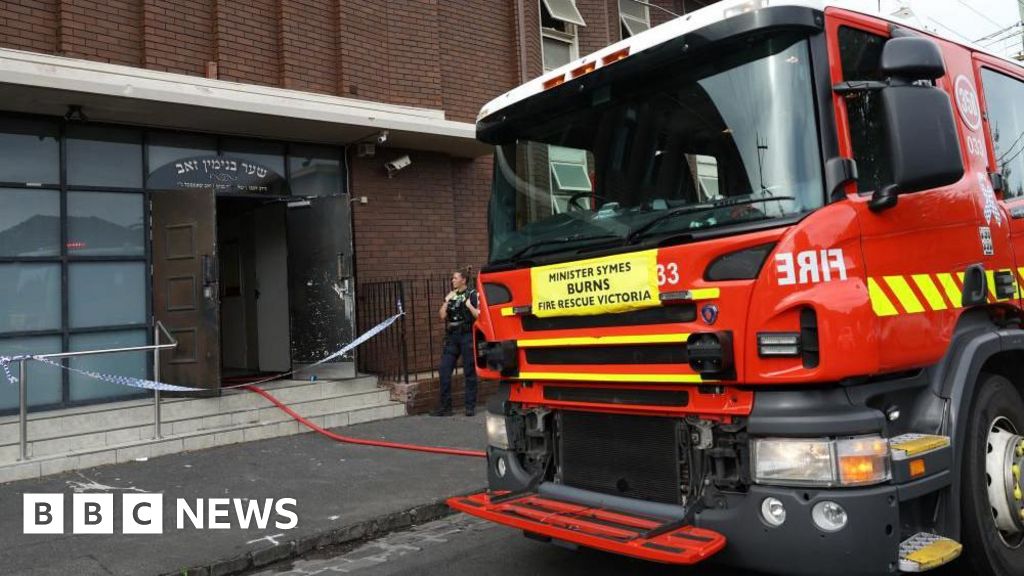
x=663 y=9
x=998 y=32
x=972 y=9
x=948 y=28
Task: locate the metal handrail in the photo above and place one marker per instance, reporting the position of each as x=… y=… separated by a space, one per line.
x=23 y=379
x=59 y=355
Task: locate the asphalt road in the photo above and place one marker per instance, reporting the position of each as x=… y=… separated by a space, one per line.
x=463 y=545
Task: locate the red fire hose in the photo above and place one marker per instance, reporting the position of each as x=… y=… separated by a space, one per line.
x=364 y=442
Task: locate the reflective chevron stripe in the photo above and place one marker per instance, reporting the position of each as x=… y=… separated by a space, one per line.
x=917 y=293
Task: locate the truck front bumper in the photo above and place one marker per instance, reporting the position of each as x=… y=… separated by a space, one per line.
x=729 y=527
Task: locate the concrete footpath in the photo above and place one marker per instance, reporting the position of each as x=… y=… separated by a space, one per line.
x=344 y=493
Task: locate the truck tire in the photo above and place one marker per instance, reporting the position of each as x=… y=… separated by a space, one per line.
x=988 y=551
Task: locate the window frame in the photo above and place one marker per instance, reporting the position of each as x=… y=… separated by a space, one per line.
x=555 y=190
x=981 y=66
x=569 y=36
x=573 y=17
x=843 y=104
x=625 y=19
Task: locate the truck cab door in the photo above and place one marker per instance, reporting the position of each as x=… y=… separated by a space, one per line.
x=916 y=251
x=1000 y=143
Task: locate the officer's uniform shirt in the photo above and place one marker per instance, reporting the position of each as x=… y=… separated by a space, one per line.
x=460 y=319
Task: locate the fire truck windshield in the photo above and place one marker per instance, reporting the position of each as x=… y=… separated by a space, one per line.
x=704 y=143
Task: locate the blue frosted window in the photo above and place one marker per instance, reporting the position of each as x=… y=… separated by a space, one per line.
x=105 y=224
x=30 y=151
x=102 y=156
x=106 y=293
x=29 y=222
x=29 y=297
x=44 y=381
x=131 y=364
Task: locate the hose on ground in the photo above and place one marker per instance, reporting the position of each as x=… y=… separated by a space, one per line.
x=362 y=441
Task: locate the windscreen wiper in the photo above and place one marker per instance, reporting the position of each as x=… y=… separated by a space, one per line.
x=559 y=240
x=635 y=235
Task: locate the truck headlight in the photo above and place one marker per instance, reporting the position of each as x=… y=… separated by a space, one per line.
x=859 y=461
x=791 y=461
x=497 y=434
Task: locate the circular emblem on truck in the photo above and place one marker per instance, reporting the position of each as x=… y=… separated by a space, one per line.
x=967 y=102
x=709 y=313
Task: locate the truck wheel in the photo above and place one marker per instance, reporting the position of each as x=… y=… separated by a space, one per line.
x=993 y=511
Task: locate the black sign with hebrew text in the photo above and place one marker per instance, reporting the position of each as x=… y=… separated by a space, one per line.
x=222 y=174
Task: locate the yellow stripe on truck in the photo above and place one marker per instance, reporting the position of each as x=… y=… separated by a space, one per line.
x=931 y=293
x=879 y=301
x=604 y=340
x=952 y=291
x=903 y=292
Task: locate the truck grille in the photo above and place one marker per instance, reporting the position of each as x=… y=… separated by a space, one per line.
x=631 y=456
x=632 y=354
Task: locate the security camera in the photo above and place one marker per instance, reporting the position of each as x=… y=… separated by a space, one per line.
x=397 y=164
x=382 y=137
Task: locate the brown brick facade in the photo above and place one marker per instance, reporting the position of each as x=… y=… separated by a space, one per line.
x=309 y=46
x=178 y=35
x=108 y=30
x=444 y=54
x=29 y=25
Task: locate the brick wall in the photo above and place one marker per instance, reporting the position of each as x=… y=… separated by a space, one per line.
x=478 y=59
x=29 y=25
x=363 y=37
x=106 y=30
x=414 y=53
x=309 y=46
x=422 y=396
x=602 y=29
x=248 y=41
x=178 y=35
x=429 y=219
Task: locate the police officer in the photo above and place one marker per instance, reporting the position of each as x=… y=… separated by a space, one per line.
x=458 y=312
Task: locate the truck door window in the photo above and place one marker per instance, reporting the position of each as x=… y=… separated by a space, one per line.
x=1004 y=97
x=861 y=54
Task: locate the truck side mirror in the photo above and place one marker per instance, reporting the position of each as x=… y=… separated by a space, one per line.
x=912 y=58
x=921 y=135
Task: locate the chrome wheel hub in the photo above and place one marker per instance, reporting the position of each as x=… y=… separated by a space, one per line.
x=1004 y=463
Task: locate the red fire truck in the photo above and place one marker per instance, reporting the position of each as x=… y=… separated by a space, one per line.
x=753 y=297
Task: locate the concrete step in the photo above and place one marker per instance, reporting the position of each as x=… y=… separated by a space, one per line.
x=328 y=370
x=189 y=441
x=265 y=414
x=103 y=418
x=93 y=435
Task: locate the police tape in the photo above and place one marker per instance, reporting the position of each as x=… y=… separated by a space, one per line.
x=143 y=383
x=6 y=361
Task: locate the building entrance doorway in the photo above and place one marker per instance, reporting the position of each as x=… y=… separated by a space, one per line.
x=252 y=275
x=252 y=240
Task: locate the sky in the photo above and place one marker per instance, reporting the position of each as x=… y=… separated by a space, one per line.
x=964 y=20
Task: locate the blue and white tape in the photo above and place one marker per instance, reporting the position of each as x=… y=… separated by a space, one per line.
x=130 y=381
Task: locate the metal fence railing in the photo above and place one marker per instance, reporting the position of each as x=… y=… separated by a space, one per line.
x=23 y=364
x=412 y=348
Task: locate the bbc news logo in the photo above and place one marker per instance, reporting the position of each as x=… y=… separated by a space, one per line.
x=93 y=513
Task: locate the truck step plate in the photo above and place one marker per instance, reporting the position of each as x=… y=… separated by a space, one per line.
x=924 y=552
x=913 y=445
x=617 y=532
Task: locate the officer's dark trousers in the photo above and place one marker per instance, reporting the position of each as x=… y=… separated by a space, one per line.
x=457 y=344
